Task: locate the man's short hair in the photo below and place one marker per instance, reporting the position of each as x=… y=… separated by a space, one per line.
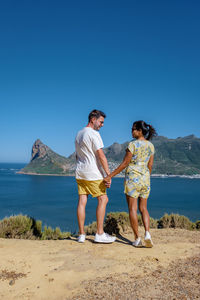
x=96 y=114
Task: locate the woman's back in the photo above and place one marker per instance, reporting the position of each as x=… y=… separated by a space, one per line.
x=141 y=151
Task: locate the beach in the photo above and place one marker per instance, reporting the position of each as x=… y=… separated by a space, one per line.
x=65 y=269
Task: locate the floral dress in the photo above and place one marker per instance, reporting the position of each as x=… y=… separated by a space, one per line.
x=137 y=176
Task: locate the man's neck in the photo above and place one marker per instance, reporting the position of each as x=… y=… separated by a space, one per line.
x=90 y=125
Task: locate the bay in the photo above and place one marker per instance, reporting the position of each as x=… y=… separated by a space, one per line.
x=53 y=199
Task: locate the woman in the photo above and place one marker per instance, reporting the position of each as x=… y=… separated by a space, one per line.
x=138 y=162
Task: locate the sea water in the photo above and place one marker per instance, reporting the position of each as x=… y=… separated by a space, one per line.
x=53 y=199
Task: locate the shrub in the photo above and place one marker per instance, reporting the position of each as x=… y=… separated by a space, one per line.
x=54 y=234
x=20 y=227
x=153 y=223
x=197 y=225
x=91 y=228
x=175 y=221
x=117 y=222
x=24 y=227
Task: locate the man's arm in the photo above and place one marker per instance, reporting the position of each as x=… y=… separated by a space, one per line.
x=103 y=161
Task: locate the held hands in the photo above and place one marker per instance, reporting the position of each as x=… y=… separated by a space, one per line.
x=107 y=181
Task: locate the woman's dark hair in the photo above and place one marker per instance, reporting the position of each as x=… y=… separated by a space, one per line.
x=147 y=130
x=96 y=114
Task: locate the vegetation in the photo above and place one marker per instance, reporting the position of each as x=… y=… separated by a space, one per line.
x=118 y=222
x=176 y=221
x=24 y=227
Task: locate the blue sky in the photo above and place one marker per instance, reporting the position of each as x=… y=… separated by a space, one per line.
x=61 y=59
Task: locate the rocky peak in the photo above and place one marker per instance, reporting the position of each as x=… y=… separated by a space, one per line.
x=38 y=150
x=116 y=148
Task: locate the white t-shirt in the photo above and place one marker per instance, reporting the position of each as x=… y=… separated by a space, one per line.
x=87 y=142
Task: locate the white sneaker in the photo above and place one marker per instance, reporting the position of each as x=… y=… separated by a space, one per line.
x=137 y=242
x=81 y=238
x=104 y=238
x=147 y=240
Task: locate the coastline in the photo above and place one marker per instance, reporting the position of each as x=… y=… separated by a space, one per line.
x=196 y=176
x=40 y=174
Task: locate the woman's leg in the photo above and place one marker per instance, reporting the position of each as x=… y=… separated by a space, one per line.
x=132 y=206
x=144 y=212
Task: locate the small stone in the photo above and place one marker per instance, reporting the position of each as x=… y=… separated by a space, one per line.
x=12 y=282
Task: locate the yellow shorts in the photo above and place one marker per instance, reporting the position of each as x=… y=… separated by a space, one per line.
x=95 y=188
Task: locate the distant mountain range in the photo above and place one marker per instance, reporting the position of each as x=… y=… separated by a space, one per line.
x=179 y=156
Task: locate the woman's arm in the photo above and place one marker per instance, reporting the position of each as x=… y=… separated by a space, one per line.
x=122 y=166
x=150 y=163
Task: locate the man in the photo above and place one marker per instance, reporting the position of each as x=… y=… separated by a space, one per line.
x=91 y=165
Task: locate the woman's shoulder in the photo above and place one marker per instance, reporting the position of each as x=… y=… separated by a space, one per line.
x=131 y=142
x=139 y=143
x=151 y=145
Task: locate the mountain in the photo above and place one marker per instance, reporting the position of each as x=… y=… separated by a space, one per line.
x=179 y=156
x=46 y=161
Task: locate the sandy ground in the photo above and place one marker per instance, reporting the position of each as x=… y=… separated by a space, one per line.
x=68 y=270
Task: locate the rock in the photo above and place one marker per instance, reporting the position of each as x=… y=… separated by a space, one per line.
x=39 y=150
x=12 y=282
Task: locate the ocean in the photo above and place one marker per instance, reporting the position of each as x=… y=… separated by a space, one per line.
x=53 y=199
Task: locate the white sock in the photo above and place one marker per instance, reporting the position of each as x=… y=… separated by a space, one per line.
x=147 y=235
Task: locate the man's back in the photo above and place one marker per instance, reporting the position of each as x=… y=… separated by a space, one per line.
x=87 y=142
x=91 y=161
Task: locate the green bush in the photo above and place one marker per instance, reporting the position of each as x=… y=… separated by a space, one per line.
x=91 y=228
x=153 y=223
x=20 y=227
x=54 y=234
x=117 y=222
x=197 y=225
x=175 y=221
x=24 y=227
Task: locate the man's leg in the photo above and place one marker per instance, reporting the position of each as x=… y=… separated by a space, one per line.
x=81 y=212
x=100 y=212
x=101 y=236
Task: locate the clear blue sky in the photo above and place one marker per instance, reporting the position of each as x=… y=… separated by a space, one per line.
x=61 y=59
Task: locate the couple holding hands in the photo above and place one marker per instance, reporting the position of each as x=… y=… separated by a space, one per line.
x=92 y=166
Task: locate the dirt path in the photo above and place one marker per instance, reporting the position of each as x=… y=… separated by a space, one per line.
x=68 y=270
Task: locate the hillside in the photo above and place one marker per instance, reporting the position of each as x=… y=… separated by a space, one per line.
x=46 y=161
x=179 y=156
